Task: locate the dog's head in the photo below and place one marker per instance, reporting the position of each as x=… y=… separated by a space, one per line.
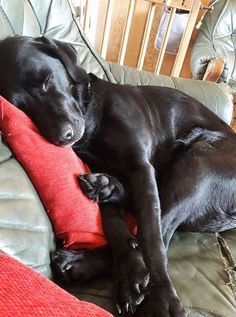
x=43 y=78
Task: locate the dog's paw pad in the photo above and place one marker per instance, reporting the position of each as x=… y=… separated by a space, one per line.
x=91 y=178
x=97 y=187
x=103 y=180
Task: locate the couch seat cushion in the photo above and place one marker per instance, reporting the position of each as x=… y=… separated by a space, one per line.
x=197 y=271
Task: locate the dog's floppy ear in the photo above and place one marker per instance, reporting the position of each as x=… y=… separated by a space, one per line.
x=66 y=54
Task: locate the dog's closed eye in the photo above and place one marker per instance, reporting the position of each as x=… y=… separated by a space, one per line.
x=46 y=83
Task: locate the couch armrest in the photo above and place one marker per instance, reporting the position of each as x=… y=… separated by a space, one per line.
x=216 y=38
x=217 y=97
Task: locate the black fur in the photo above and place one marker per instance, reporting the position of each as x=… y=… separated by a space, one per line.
x=154 y=150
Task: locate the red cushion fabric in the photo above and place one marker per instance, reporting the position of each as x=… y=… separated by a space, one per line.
x=24 y=292
x=54 y=172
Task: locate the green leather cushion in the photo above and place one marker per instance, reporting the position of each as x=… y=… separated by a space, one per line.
x=217 y=38
x=198 y=272
x=25 y=231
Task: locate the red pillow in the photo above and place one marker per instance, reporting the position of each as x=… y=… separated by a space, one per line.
x=24 y=292
x=54 y=172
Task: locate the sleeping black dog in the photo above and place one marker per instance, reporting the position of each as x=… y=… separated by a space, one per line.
x=152 y=150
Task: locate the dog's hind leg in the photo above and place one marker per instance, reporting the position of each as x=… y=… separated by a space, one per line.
x=198 y=190
x=207 y=209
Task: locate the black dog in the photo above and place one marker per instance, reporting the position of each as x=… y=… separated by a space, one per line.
x=171 y=160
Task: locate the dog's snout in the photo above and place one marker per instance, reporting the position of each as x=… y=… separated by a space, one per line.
x=67 y=133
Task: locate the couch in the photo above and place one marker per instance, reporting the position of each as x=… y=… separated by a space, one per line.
x=213 y=55
x=216 y=39
x=201 y=265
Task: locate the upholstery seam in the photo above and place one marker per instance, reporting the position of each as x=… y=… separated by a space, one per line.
x=220 y=17
x=234 y=66
x=40 y=26
x=47 y=17
x=39 y=229
x=9 y=22
x=88 y=46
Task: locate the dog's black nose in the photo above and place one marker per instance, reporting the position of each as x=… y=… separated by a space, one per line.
x=67 y=133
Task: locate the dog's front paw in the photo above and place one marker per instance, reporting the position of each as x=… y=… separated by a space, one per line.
x=162 y=301
x=101 y=188
x=131 y=280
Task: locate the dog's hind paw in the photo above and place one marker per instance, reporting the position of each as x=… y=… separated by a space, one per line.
x=68 y=265
x=102 y=188
x=81 y=265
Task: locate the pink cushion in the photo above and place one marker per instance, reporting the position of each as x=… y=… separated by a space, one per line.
x=54 y=172
x=24 y=292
